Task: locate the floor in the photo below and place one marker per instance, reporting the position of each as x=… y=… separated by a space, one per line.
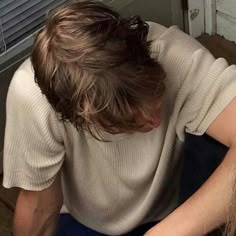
x=7 y=205
x=220 y=47
x=216 y=44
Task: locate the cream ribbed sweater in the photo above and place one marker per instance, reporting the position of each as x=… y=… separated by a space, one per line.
x=114 y=187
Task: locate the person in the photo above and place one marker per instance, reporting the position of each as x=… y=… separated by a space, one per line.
x=97 y=119
x=231 y=221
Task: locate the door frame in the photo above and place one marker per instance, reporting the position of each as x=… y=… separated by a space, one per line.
x=195 y=17
x=177 y=13
x=201 y=16
x=210 y=17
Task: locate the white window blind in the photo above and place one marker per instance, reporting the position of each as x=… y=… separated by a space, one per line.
x=21 y=18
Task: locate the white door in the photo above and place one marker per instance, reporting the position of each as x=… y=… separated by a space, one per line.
x=212 y=16
x=226 y=18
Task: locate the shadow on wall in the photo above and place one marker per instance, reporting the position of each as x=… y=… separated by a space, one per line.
x=5 y=79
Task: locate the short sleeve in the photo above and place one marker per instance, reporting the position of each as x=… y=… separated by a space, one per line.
x=205 y=91
x=33 y=145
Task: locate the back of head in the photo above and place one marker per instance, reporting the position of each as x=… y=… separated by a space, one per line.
x=95 y=68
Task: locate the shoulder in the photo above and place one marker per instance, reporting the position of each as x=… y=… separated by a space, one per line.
x=27 y=107
x=172 y=36
x=172 y=47
x=25 y=101
x=179 y=43
x=155 y=30
x=23 y=90
x=22 y=83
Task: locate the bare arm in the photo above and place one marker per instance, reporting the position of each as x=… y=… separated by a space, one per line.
x=37 y=212
x=208 y=207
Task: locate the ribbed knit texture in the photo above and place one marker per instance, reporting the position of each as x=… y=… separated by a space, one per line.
x=116 y=186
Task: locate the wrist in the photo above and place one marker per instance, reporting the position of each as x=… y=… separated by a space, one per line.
x=175 y=228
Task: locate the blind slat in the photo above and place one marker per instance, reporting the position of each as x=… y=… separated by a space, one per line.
x=21 y=18
x=8 y=9
x=22 y=37
x=22 y=30
x=30 y=7
x=4 y=3
x=28 y=15
x=19 y=26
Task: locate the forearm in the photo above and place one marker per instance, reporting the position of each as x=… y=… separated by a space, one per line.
x=34 y=222
x=207 y=208
x=37 y=213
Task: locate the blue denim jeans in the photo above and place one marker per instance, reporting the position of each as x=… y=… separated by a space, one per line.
x=202 y=155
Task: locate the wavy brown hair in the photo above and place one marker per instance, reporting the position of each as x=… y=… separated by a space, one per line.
x=95 y=68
